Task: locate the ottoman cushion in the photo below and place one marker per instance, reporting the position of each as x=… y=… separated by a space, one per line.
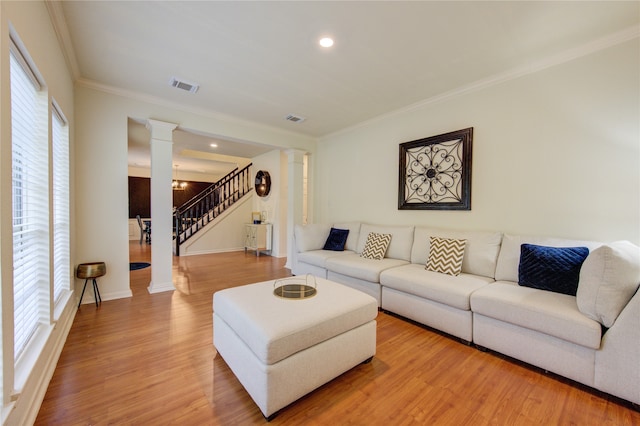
x=275 y=328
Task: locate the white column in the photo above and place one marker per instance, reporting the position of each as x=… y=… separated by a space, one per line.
x=295 y=196
x=308 y=171
x=161 y=206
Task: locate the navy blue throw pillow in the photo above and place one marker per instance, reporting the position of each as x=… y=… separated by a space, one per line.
x=336 y=240
x=551 y=268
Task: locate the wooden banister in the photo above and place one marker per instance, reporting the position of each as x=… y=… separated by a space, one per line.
x=193 y=215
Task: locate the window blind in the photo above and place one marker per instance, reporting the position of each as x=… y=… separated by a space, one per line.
x=30 y=205
x=61 y=257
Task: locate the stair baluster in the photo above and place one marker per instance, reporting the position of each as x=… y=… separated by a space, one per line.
x=193 y=215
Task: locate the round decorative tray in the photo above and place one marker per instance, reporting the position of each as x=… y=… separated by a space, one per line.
x=295 y=287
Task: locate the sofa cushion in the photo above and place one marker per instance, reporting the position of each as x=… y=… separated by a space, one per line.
x=311 y=237
x=336 y=240
x=547 y=312
x=450 y=290
x=480 y=252
x=319 y=257
x=509 y=257
x=608 y=280
x=354 y=234
x=445 y=255
x=376 y=246
x=401 y=239
x=551 y=268
x=358 y=267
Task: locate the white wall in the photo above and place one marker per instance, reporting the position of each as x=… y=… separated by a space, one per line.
x=274 y=204
x=555 y=153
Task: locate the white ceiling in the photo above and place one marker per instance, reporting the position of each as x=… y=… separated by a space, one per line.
x=260 y=60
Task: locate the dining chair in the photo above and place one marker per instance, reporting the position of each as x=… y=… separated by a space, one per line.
x=145 y=230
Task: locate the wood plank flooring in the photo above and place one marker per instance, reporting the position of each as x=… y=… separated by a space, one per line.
x=149 y=360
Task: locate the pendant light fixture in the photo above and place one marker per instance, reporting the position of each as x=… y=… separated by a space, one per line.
x=176 y=184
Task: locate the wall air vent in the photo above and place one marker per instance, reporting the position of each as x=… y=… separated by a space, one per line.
x=184 y=85
x=295 y=118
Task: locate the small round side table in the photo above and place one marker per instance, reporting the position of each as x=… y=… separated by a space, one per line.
x=91 y=271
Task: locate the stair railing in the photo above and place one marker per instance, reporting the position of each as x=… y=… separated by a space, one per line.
x=196 y=213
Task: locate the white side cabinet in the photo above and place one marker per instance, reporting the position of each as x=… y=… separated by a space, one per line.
x=257 y=237
x=134 y=229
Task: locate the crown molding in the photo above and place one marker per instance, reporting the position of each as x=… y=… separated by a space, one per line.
x=531 y=68
x=64 y=37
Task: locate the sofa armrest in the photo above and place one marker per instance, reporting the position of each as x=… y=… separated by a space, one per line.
x=307 y=238
x=617 y=369
x=310 y=237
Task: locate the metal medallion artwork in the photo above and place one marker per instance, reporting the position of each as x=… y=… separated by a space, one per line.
x=435 y=172
x=263 y=183
x=295 y=287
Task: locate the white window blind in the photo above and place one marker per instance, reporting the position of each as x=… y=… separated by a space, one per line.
x=61 y=257
x=30 y=201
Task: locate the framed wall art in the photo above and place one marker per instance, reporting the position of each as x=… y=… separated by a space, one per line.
x=435 y=172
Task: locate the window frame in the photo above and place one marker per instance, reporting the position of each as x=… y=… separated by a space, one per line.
x=62 y=281
x=19 y=362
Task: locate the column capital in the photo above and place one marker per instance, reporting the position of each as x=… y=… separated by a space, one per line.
x=161 y=130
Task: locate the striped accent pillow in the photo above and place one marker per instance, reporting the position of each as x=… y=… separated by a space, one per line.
x=445 y=255
x=376 y=246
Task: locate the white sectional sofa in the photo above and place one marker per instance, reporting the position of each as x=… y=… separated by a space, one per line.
x=592 y=337
x=438 y=300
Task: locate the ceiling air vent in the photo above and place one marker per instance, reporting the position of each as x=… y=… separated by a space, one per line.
x=295 y=118
x=184 y=85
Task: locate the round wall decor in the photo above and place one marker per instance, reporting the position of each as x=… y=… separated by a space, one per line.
x=263 y=183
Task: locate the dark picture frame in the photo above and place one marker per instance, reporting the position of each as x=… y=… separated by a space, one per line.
x=263 y=183
x=435 y=172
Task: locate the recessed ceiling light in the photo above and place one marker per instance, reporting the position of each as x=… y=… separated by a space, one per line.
x=213 y=145
x=326 y=42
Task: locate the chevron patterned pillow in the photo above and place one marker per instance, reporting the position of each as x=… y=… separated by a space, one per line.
x=445 y=255
x=376 y=246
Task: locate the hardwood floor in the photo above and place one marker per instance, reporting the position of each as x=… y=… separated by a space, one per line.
x=149 y=360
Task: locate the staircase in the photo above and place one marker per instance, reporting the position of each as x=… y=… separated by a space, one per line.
x=196 y=213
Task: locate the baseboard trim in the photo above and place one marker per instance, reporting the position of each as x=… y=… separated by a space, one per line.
x=159 y=288
x=214 y=251
x=89 y=299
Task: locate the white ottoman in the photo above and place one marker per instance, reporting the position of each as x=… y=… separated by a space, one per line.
x=282 y=349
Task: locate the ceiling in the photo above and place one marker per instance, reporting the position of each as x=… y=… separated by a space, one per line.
x=260 y=60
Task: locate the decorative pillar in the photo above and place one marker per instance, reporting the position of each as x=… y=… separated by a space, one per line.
x=161 y=206
x=295 y=196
